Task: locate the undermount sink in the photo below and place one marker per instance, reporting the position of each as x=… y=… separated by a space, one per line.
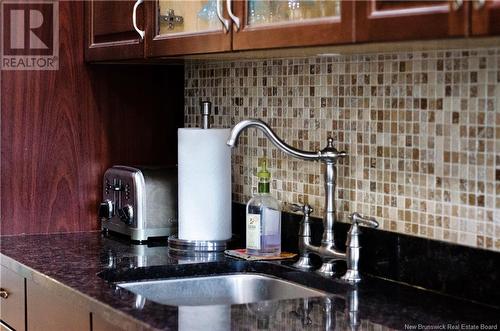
x=219 y=290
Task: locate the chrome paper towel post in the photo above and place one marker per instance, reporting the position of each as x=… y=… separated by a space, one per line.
x=204 y=188
x=206 y=110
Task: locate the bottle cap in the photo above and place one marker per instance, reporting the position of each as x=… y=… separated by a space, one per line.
x=263 y=172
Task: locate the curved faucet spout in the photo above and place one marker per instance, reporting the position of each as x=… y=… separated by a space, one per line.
x=280 y=144
x=329 y=156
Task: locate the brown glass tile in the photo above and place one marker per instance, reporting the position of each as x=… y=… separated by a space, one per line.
x=414 y=135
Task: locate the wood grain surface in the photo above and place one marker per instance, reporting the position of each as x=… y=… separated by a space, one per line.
x=61 y=129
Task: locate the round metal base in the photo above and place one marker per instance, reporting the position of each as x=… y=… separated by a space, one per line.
x=304 y=263
x=352 y=276
x=195 y=246
x=327 y=269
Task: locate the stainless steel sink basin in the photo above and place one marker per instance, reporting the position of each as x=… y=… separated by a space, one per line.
x=219 y=290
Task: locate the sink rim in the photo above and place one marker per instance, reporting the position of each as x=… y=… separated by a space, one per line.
x=261 y=276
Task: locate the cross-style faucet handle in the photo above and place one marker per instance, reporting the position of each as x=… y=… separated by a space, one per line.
x=330 y=152
x=305 y=209
x=305 y=235
x=357 y=218
x=353 y=246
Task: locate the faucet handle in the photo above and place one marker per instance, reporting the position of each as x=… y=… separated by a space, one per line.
x=353 y=247
x=305 y=209
x=357 y=218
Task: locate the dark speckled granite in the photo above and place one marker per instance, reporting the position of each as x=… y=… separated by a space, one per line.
x=83 y=260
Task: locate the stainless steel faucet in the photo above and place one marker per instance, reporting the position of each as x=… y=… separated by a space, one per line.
x=329 y=155
x=353 y=248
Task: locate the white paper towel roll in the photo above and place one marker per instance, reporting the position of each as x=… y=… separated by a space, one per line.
x=204 y=184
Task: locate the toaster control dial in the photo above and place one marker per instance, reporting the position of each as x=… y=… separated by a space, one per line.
x=126 y=214
x=105 y=210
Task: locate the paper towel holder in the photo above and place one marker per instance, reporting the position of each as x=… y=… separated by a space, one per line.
x=191 y=247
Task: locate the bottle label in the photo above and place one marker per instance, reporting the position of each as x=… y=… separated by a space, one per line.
x=271 y=221
x=253 y=231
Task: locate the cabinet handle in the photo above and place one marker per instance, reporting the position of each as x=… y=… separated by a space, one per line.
x=235 y=18
x=3 y=293
x=5 y=326
x=223 y=20
x=134 y=19
x=478 y=4
x=457 y=4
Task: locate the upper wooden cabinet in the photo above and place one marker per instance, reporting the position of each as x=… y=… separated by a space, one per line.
x=278 y=23
x=175 y=28
x=110 y=33
x=380 y=20
x=186 y=27
x=486 y=17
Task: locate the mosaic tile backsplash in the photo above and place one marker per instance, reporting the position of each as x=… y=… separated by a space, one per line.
x=421 y=129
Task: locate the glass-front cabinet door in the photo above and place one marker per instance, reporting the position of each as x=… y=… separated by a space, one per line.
x=187 y=27
x=288 y=23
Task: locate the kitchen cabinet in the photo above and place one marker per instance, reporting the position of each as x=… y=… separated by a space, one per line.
x=110 y=33
x=166 y=28
x=201 y=26
x=387 y=20
x=186 y=27
x=55 y=307
x=32 y=301
x=486 y=17
x=277 y=23
x=48 y=309
x=12 y=302
x=210 y=26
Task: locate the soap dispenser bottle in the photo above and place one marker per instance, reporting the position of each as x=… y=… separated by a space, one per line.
x=263 y=219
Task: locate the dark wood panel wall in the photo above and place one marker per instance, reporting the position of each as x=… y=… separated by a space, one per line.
x=62 y=129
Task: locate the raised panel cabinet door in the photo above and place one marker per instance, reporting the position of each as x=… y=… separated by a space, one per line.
x=12 y=303
x=485 y=17
x=47 y=310
x=110 y=32
x=381 y=20
x=187 y=27
x=101 y=324
x=265 y=24
x=111 y=321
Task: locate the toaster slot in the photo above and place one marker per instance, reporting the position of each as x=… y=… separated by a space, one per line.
x=117 y=193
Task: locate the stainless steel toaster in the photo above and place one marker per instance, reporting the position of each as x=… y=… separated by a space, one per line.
x=140 y=202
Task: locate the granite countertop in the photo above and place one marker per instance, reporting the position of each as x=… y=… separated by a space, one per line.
x=81 y=261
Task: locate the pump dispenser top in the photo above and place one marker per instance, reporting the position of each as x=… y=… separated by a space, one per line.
x=263 y=172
